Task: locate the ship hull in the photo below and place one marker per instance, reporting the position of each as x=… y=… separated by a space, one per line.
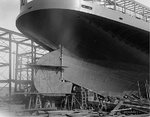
x=92 y=41
x=75 y=31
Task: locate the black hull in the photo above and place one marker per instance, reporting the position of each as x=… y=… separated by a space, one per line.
x=87 y=36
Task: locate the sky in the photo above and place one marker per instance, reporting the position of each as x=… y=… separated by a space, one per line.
x=9 y=10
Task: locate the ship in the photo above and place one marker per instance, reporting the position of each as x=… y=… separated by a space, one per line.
x=101 y=45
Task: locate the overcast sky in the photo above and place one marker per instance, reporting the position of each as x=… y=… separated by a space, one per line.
x=9 y=9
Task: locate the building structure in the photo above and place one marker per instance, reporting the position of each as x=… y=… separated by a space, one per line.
x=16 y=52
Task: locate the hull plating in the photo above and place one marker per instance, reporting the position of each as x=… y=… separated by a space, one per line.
x=100 y=79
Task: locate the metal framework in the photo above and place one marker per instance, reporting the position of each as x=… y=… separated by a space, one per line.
x=130 y=7
x=16 y=51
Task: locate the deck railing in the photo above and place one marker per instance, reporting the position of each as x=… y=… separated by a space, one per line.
x=24 y=2
x=130 y=7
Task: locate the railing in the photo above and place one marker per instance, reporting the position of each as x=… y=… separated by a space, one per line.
x=24 y=2
x=130 y=7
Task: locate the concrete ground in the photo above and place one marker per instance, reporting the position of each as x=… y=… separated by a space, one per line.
x=11 y=110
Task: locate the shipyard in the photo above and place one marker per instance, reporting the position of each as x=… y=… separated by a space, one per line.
x=75 y=58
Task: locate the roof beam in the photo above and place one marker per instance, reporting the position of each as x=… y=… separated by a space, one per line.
x=12 y=32
x=3 y=34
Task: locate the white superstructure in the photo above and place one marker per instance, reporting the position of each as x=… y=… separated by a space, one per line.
x=125 y=11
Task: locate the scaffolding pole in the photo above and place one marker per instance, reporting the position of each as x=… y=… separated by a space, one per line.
x=10 y=67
